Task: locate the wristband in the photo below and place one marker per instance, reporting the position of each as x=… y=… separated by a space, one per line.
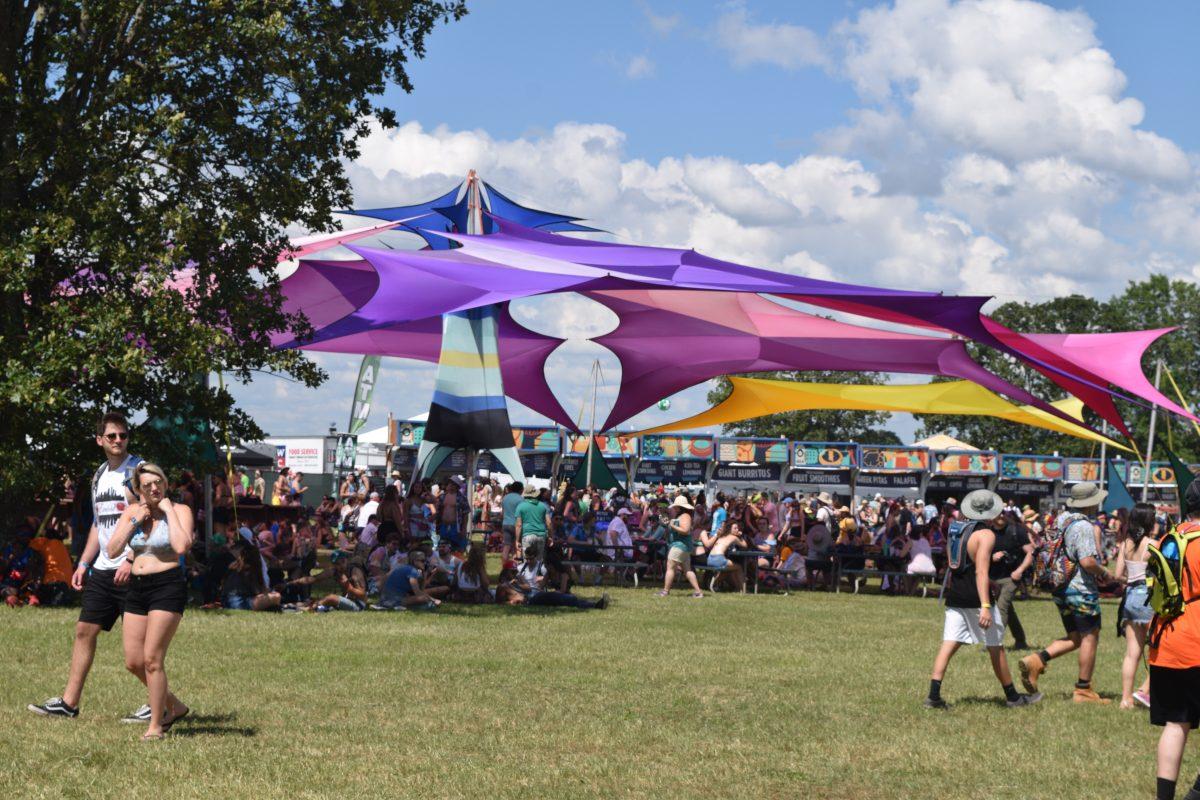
x=985 y=605
x=85 y=565
x=129 y=559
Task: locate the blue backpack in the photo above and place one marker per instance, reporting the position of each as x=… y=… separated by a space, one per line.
x=957 y=535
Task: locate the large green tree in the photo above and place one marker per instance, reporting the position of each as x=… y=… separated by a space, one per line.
x=139 y=140
x=1154 y=302
x=865 y=427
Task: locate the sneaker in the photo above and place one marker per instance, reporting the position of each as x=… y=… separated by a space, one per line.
x=697 y=594
x=54 y=707
x=935 y=702
x=1142 y=698
x=1032 y=668
x=664 y=593
x=1024 y=700
x=142 y=715
x=602 y=603
x=1090 y=696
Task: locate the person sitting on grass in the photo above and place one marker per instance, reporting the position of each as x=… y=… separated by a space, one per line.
x=20 y=570
x=530 y=579
x=970 y=618
x=245 y=584
x=352 y=579
x=471 y=578
x=56 y=566
x=443 y=565
x=404 y=586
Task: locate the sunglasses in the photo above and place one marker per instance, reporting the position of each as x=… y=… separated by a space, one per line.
x=116 y=437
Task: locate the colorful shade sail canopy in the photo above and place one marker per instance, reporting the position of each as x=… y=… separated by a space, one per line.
x=756 y=397
x=485 y=250
x=669 y=340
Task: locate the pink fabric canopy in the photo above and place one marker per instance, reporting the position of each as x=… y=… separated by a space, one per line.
x=669 y=340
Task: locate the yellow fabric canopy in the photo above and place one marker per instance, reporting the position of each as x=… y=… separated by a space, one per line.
x=758 y=397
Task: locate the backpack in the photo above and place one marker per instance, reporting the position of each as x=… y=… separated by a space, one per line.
x=957 y=534
x=1059 y=567
x=1166 y=573
x=126 y=470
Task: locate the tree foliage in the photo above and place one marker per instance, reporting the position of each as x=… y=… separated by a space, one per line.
x=865 y=427
x=140 y=140
x=1155 y=302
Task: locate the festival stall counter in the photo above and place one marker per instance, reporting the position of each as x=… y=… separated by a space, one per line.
x=1029 y=479
x=822 y=467
x=748 y=464
x=954 y=473
x=892 y=471
x=674 y=460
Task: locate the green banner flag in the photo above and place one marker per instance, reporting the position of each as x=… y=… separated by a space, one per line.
x=1183 y=473
x=361 y=407
x=1118 y=495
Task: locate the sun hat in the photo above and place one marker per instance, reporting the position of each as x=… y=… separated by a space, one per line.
x=624 y=512
x=530 y=491
x=982 y=505
x=826 y=498
x=682 y=502
x=1086 y=495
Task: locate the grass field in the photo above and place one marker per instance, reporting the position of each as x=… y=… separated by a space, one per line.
x=810 y=695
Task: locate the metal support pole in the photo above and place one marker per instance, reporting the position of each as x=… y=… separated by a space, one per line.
x=1150 y=440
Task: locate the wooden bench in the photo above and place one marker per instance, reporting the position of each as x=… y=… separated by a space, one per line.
x=624 y=568
x=861 y=575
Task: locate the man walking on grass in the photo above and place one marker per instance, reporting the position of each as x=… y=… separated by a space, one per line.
x=1079 y=602
x=970 y=618
x=103 y=580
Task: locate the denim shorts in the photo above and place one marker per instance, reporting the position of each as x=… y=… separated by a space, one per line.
x=1136 y=607
x=237 y=602
x=718 y=561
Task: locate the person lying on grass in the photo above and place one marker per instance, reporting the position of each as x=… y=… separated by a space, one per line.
x=527 y=585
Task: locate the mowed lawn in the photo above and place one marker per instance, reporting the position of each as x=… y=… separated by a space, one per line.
x=809 y=695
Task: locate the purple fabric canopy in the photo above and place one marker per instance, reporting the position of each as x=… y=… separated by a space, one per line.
x=328 y=291
x=725 y=333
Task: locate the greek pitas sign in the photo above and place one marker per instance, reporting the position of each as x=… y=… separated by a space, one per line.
x=361 y=409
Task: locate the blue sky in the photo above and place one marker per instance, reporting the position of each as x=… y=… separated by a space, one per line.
x=1019 y=149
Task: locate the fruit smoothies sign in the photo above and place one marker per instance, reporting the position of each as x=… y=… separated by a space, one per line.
x=825 y=455
x=752 y=451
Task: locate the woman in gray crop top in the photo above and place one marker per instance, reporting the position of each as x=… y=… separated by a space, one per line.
x=160 y=534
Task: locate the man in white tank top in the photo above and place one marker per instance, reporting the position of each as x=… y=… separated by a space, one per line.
x=103 y=580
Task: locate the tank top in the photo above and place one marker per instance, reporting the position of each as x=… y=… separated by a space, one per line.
x=157 y=542
x=1135 y=572
x=961 y=591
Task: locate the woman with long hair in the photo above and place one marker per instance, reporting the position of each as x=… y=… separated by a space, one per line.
x=471 y=578
x=1135 y=614
x=159 y=533
x=391 y=515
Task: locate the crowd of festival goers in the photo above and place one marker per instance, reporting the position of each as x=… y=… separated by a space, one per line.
x=394 y=545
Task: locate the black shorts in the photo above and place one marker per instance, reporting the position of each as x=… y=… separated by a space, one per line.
x=1083 y=624
x=161 y=591
x=103 y=601
x=1174 y=695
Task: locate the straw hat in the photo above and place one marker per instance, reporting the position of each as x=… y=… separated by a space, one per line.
x=1086 y=495
x=682 y=502
x=825 y=498
x=530 y=491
